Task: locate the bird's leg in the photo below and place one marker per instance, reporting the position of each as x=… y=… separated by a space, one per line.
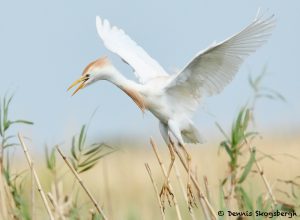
x=172 y=154
x=190 y=195
x=174 y=128
x=166 y=191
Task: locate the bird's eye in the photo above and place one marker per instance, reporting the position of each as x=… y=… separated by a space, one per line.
x=87 y=75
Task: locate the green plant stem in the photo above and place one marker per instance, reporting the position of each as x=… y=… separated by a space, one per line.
x=2 y=153
x=261 y=173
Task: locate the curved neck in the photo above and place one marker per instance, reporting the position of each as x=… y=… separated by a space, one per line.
x=115 y=77
x=131 y=88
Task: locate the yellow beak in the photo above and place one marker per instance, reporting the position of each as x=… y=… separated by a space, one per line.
x=80 y=80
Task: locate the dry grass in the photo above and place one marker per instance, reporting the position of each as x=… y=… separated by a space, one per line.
x=131 y=191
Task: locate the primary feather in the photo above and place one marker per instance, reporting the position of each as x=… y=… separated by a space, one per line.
x=213 y=68
x=117 y=41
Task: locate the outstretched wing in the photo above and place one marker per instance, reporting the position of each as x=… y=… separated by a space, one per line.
x=116 y=40
x=212 y=69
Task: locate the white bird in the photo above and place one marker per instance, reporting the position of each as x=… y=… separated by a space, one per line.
x=174 y=98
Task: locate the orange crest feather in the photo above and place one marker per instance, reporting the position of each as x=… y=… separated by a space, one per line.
x=97 y=63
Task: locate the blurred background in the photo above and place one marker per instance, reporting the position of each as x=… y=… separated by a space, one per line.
x=46 y=45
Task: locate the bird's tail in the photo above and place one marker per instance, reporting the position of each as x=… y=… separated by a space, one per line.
x=192 y=135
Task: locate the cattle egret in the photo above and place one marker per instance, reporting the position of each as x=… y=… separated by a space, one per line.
x=174 y=98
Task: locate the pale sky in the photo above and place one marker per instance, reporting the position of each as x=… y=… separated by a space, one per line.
x=44 y=46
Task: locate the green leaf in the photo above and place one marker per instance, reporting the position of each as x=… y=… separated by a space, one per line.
x=6 y=124
x=10 y=145
x=250 y=134
x=96 y=149
x=251 y=82
x=222 y=201
x=258 y=79
x=248 y=166
x=7 y=170
x=236 y=129
x=82 y=137
x=246 y=120
x=50 y=158
x=224 y=181
x=47 y=157
x=245 y=198
x=222 y=131
x=5 y=112
x=87 y=168
x=22 y=122
x=225 y=144
x=93 y=160
x=53 y=157
x=259 y=203
x=8 y=138
x=266 y=156
x=103 y=145
x=263 y=206
x=74 y=163
x=96 y=216
x=73 y=150
x=274 y=92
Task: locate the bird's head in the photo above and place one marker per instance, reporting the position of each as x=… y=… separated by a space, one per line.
x=96 y=70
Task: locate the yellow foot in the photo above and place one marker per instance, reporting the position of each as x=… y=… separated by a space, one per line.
x=191 y=197
x=166 y=193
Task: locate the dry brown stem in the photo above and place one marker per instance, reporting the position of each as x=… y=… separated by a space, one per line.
x=178 y=176
x=155 y=149
x=99 y=209
x=156 y=191
x=263 y=176
x=37 y=181
x=3 y=207
x=32 y=196
x=203 y=200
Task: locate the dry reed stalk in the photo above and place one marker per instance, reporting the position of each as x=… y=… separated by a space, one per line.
x=155 y=149
x=156 y=191
x=5 y=195
x=230 y=194
x=9 y=201
x=99 y=209
x=178 y=177
x=61 y=202
x=37 y=181
x=205 y=205
x=207 y=188
x=208 y=195
x=107 y=190
x=32 y=196
x=261 y=173
x=3 y=207
x=57 y=209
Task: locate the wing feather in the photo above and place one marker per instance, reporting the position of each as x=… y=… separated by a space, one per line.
x=213 y=68
x=117 y=41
